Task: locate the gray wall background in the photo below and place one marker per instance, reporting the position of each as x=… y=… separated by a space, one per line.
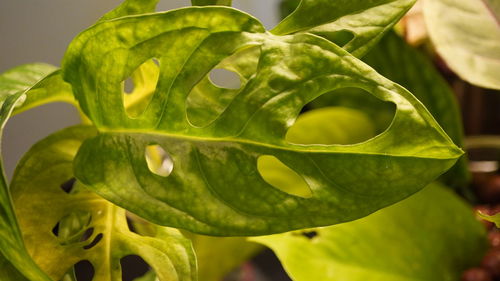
x=40 y=30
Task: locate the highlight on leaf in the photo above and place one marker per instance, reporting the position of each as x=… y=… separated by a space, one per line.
x=215 y=151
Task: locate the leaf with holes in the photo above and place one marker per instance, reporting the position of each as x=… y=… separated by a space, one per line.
x=390 y=245
x=403 y=64
x=466 y=34
x=398 y=61
x=79 y=225
x=356 y=25
x=215 y=186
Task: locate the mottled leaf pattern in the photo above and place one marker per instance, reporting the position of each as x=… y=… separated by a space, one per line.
x=214 y=187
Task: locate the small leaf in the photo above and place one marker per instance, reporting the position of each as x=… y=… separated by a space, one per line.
x=356 y=25
x=13 y=255
x=493 y=218
x=41 y=91
x=35 y=190
x=466 y=34
x=431 y=236
x=215 y=187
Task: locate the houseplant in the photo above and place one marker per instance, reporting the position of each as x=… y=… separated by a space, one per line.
x=178 y=151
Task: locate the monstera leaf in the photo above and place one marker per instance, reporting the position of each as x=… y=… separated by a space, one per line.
x=390 y=245
x=78 y=225
x=356 y=25
x=492 y=218
x=466 y=34
x=215 y=186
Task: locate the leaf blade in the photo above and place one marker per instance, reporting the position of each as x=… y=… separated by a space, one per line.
x=366 y=20
x=473 y=53
x=390 y=244
x=291 y=71
x=14 y=85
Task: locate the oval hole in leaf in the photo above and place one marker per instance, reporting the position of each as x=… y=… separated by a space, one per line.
x=87 y=234
x=309 y=234
x=139 y=87
x=344 y=116
x=156 y=61
x=133 y=267
x=280 y=176
x=67 y=186
x=94 y=242
x=84 y=271
x=128 y=86
x=207 y=101
x=224 y=78
x=158 y=160
x=72 y=227
x=55 y=229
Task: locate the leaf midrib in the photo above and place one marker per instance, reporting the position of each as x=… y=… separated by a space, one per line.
x=300 y=148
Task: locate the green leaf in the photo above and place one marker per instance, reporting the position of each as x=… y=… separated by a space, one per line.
x=36 y=189
x=216 y=256
x=493 y=218
x=356 y=25
x=211 y=2
x=41 y=91
x=13 y=255
x=215 y=186
x=131 y=7
x=466 y=34
x=22 y=77
x=350 y=126
x=403 y=64
x=8 y=272
x=431 y=236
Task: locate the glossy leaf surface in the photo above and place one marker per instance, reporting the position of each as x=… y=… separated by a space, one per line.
x=403 y=64
x=466 y=34
x=431 y=236
x=14 y=258
x=356 y=25
x=214 y=187
x=88 y=227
